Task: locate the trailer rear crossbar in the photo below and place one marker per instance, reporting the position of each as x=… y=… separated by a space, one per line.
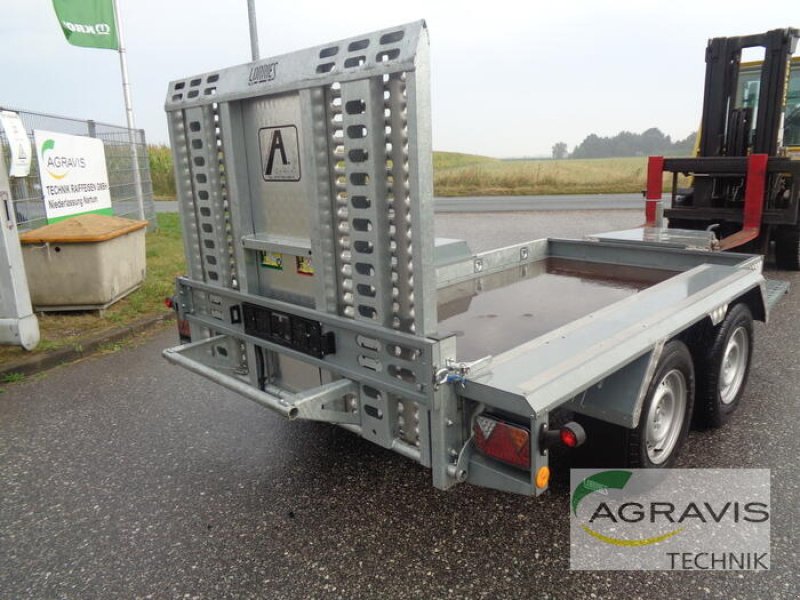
x=314 y=404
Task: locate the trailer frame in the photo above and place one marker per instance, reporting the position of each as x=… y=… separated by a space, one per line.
x=305 y=193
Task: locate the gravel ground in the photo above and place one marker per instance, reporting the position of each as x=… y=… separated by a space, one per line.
x=123 y=476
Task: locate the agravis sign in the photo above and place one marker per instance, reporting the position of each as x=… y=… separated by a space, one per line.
x=73 y=173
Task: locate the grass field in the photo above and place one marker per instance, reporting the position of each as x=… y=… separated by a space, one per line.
x=470 y=175
x=164 y=262
x=457 y=174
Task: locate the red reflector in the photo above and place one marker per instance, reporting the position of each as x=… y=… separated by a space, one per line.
x=507 y=443
x=568 y=438
x=183 y=329
x=169 y=302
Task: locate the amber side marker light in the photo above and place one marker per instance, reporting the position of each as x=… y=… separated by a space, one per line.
x=542 y=477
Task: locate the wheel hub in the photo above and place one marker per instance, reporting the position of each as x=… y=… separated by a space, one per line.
x=665 y=417
x=734 y=365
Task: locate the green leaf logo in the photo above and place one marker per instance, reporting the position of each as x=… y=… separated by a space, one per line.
x=599 y=482
x=47 y=146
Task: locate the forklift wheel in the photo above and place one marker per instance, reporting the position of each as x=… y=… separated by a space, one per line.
x=666 y=413
x=787 y=248
x=723 y=368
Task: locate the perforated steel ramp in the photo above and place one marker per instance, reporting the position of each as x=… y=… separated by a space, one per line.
x=776 y=289
x=306 y=179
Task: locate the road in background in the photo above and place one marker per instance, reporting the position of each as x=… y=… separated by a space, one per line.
x=124 y=476
x=512 y=203
x=525 y=203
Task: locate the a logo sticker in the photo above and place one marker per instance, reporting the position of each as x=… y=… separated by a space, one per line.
x=280 y=154
x=272 y=260
x=670 y=519
x=59 y=166
x=262 y=73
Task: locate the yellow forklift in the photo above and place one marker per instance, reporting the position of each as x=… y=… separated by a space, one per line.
x=745 y=184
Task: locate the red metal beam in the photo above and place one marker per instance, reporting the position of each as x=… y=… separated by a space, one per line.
x=655 y=188
x=755 y=183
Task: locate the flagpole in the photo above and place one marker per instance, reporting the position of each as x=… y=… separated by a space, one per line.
x=126 y=92
x=251 y=17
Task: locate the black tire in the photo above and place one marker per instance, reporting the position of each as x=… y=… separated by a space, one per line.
x=719 y=390
x=642 y=444
x=787 y=248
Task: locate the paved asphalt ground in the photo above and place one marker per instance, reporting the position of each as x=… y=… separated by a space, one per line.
x=124 y=477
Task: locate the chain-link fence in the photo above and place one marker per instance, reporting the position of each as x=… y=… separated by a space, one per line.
x=27 y=191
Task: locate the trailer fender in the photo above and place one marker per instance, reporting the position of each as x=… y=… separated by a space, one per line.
x=757 y=300
x=618 y=398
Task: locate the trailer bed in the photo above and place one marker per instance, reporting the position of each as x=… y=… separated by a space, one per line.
x=497 y=312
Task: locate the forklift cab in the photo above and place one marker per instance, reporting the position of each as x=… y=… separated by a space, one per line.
x=747 y=95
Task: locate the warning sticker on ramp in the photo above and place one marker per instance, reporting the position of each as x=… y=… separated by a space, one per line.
x=280 y=154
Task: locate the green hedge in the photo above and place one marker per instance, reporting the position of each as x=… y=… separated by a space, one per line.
x=161 y=171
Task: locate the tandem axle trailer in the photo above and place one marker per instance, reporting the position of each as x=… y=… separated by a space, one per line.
x=316 y=289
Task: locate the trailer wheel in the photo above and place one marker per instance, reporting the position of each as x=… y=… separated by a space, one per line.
x=723 y=369
x=787 y=248
x=666 y=413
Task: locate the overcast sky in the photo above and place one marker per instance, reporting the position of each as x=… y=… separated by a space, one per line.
x=508 y=78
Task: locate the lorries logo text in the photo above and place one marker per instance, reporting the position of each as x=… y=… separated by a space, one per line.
x=262 y=73
x=57 y=165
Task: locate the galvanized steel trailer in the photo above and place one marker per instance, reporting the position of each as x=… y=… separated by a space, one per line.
x=315 y=287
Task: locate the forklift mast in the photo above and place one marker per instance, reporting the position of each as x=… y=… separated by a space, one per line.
x=725 y=128
x=744 y=186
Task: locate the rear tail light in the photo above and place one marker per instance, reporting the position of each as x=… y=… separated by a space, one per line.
x=503 y=441
x=184 y=331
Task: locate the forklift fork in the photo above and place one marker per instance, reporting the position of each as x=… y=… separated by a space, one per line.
x=755 y=180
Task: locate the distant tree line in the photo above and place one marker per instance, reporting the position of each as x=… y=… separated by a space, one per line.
x=560 y=150
x=625 y=143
